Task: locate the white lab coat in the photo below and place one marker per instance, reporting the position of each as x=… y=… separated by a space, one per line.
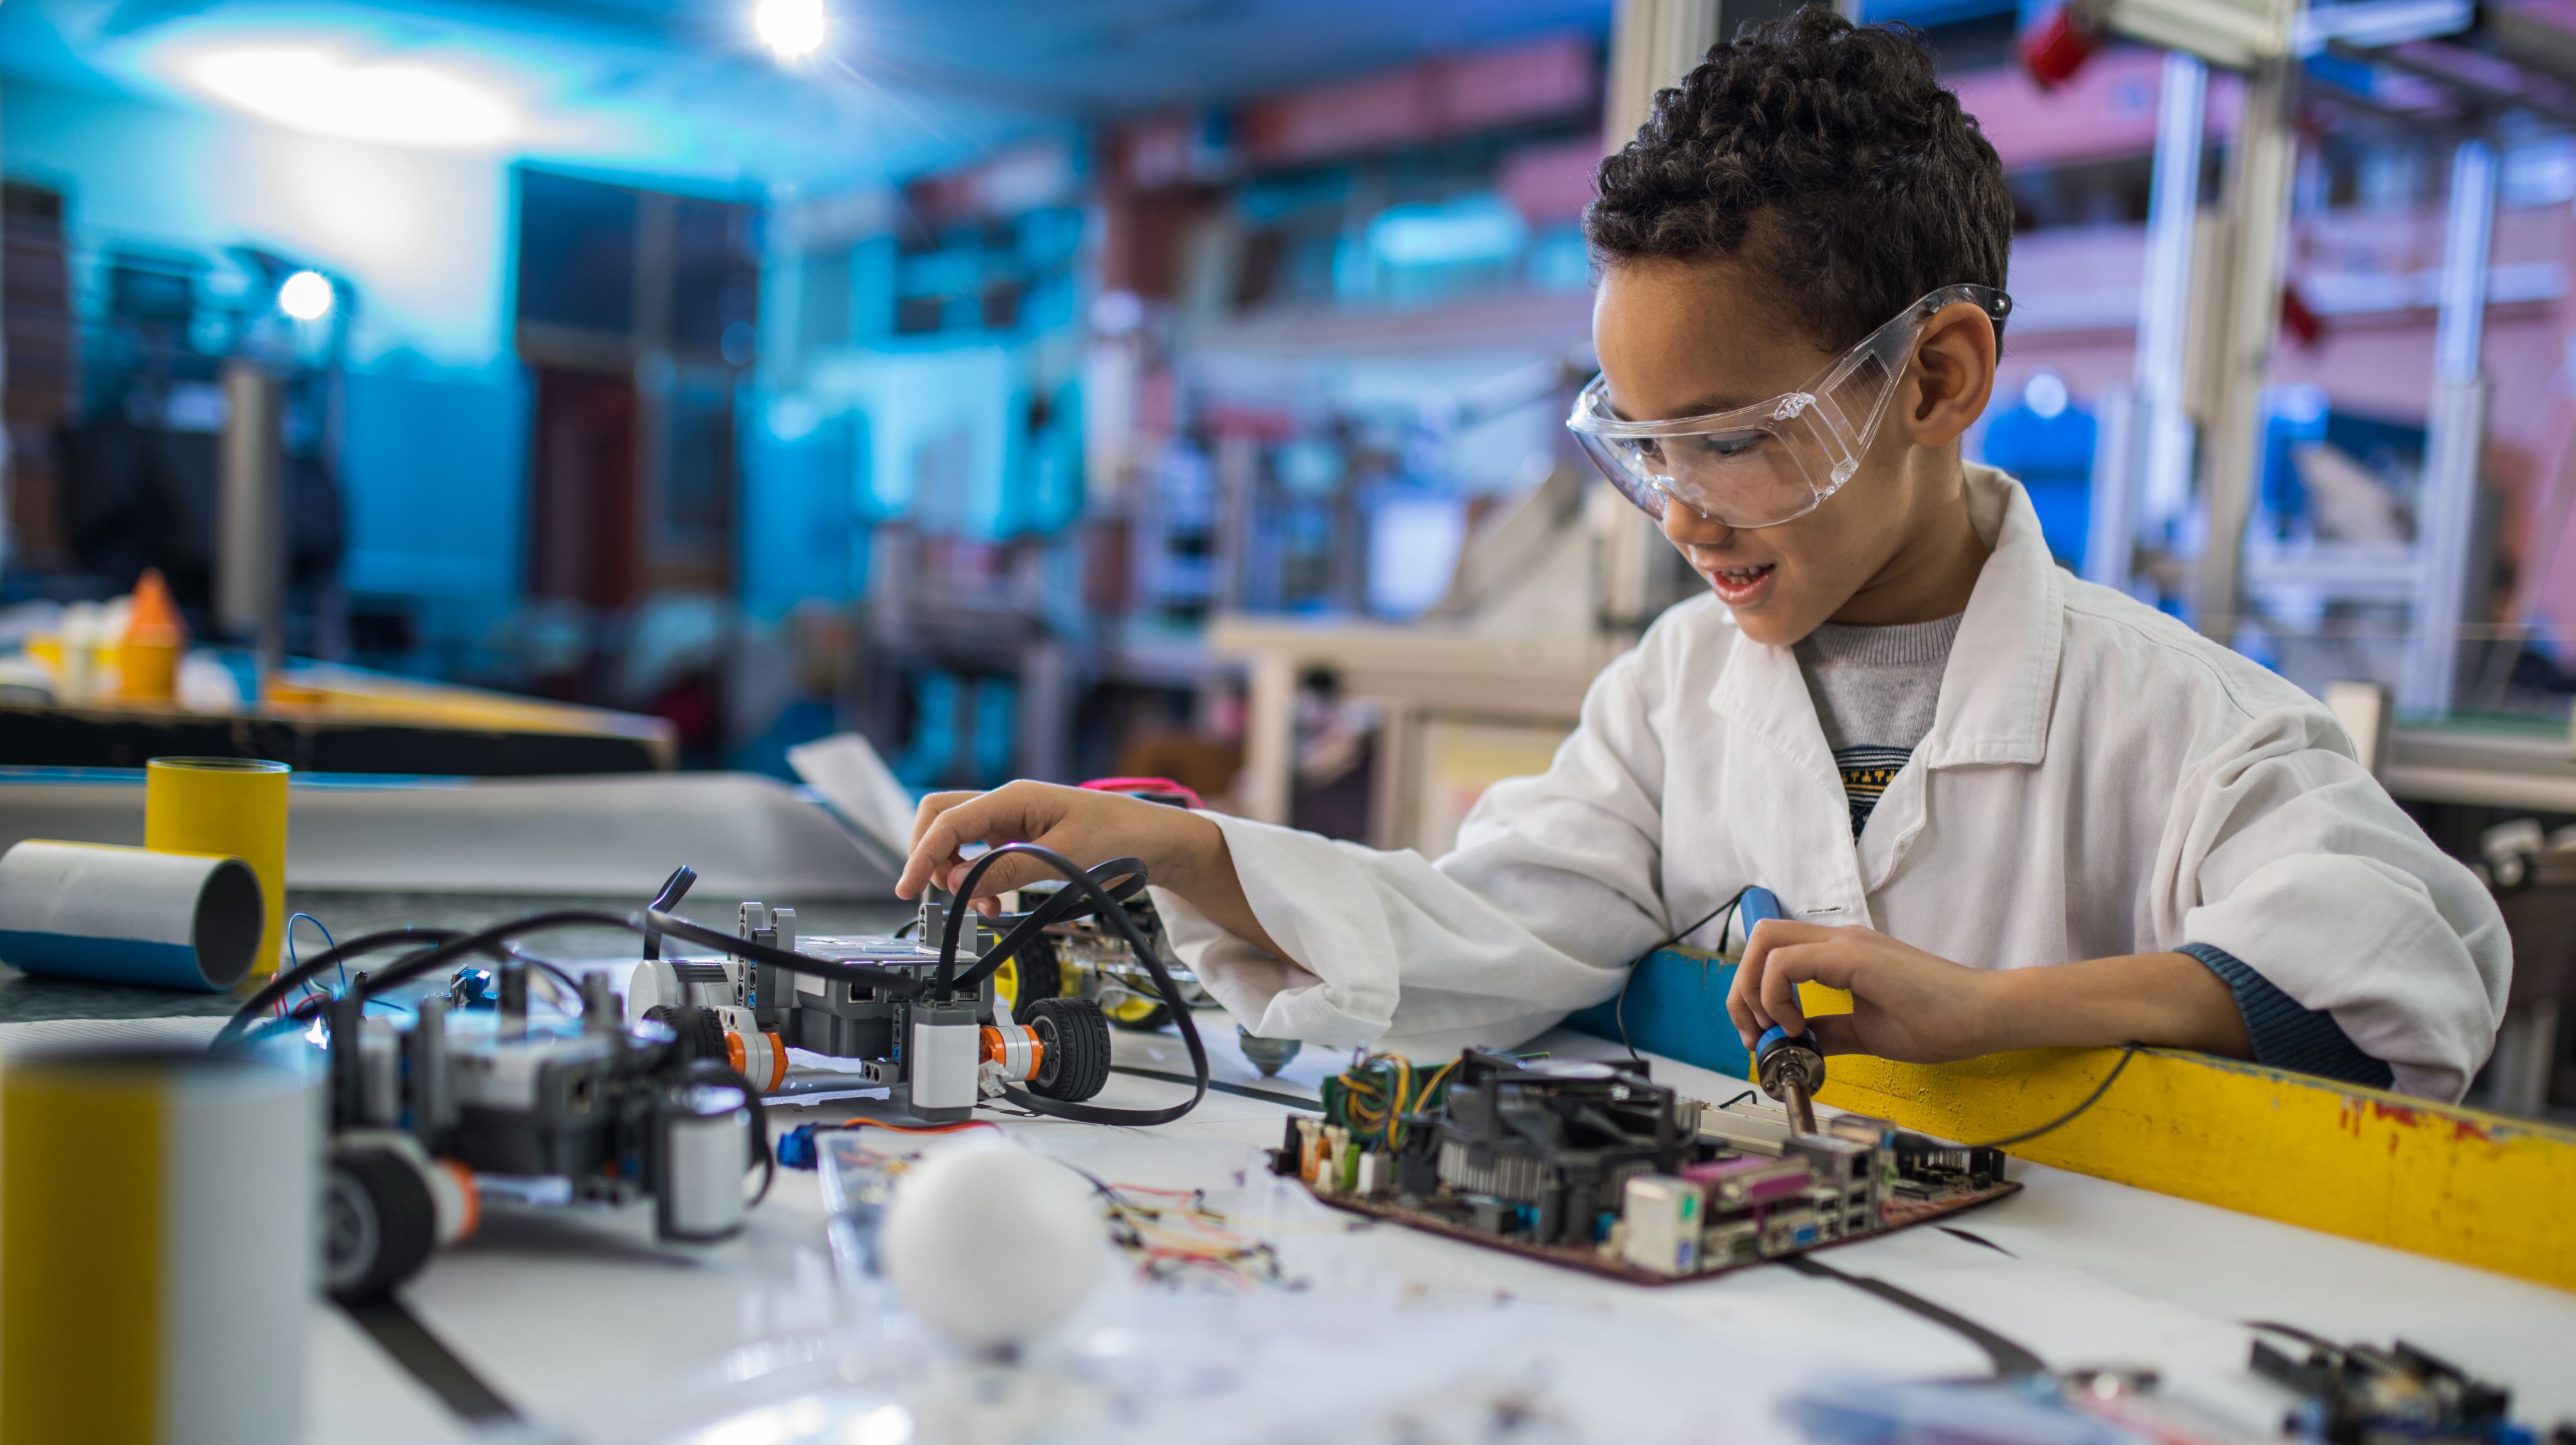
x=2098 y=780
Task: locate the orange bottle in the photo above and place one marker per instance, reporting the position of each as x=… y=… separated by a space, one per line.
x=155 y=639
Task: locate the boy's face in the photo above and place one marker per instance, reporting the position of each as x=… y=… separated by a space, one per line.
x=1685 y=338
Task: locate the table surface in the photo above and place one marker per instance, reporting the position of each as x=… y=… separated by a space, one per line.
x=594 y=1334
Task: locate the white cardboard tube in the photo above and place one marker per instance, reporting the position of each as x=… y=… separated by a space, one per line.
x=128 y=915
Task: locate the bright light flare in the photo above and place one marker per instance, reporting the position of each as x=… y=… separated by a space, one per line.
x=2045 y=394
x=793 y=29
x=392 y=102
x=306 y=296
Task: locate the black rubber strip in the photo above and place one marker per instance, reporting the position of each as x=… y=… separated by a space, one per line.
x=1293 y=1101
x=2011 y=1360
x=1957 y=1233
x=430 y=1361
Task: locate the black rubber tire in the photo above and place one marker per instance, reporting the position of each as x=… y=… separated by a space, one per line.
x=379 y=1223
x=1040 y=972
x=1076 y=1036
x=701 y=1033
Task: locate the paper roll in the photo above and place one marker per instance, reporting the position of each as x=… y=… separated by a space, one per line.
x=157 y=1215
x=235 y=807
x=128 y=915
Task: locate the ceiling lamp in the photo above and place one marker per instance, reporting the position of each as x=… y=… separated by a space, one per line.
x=306 y=296
x=792 y=28
x=393 y=102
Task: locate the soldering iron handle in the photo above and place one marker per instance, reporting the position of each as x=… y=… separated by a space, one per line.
x=1757 y=904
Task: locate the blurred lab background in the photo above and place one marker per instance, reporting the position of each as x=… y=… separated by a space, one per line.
x=1069 y=388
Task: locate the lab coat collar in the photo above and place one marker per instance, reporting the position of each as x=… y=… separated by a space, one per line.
x=1995 y=695
x=1996 y=692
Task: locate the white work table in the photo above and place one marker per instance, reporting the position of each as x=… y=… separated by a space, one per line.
x=596 y=1338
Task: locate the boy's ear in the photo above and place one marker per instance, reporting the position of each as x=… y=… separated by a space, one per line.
x=1953 y=375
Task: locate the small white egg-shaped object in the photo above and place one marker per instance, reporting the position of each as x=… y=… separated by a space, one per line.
x=992 y=1246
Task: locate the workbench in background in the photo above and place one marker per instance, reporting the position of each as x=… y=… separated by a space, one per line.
x=328 y=718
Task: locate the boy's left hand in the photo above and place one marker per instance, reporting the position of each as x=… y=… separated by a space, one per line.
x=1920 y=1008
x=1907 y=1005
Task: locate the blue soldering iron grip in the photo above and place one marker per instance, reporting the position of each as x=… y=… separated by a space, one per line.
x=1758 y=903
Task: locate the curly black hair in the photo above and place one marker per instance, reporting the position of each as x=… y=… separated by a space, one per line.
x=1826 y=155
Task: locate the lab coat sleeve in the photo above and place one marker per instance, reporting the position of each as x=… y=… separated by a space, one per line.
x=1549 y=894
x=2283 y=851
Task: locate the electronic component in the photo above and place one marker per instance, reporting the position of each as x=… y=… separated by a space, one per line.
x=1659 y=1225
x=435 y=1115
x=2364 y=1395
x=1596 y=1165
x=1087 y=957
x=658 y=1097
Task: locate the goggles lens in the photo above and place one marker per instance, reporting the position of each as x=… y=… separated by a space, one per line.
x=1752 y=477
x=1776 y=461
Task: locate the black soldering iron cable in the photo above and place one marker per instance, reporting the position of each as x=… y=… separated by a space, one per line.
x=2012 y=1360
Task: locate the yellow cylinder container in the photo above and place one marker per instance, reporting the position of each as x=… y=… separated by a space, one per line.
x=148 y=668
x=155 y=639
x=157 y=1215
x=234 y=807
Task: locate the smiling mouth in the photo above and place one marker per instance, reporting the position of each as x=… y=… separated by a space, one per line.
x=1736 y=579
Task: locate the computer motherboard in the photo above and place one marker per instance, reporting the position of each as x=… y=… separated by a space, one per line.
x=1596 y=1166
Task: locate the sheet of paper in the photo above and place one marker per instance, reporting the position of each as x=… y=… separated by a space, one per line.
x=846 y=770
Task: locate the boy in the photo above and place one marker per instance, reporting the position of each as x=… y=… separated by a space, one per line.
x=2005 y=808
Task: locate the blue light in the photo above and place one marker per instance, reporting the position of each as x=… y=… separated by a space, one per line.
x=1467 y=230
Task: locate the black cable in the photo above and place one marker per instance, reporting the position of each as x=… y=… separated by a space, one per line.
x=2012 y=1360
x=666 y=898
x=1112 y=909
x=311 y=968
x=400 y=1334
x=1619 y=1010
x=1065 y=906
x=1122 y=877
x=451 y=945
x=2127 y=1052
x=1267 y=1096
x=2315 y=1341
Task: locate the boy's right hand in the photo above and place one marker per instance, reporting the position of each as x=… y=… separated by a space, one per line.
x=1088 y=827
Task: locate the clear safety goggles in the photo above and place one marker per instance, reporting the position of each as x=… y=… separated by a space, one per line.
x=1774 y=461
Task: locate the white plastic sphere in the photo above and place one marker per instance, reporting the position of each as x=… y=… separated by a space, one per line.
x=992 y=1246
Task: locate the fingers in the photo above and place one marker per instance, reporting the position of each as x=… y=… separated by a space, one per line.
x=1776 y=992
x=1837 y=1034
x=1006 y=874
x=927 y=819
x=993 y=817
x=1747 y=1001
x=1739 y=1005
x=1829 y=960
x=931 y=807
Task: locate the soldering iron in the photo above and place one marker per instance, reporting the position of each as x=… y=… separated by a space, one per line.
x=1790 y=1067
